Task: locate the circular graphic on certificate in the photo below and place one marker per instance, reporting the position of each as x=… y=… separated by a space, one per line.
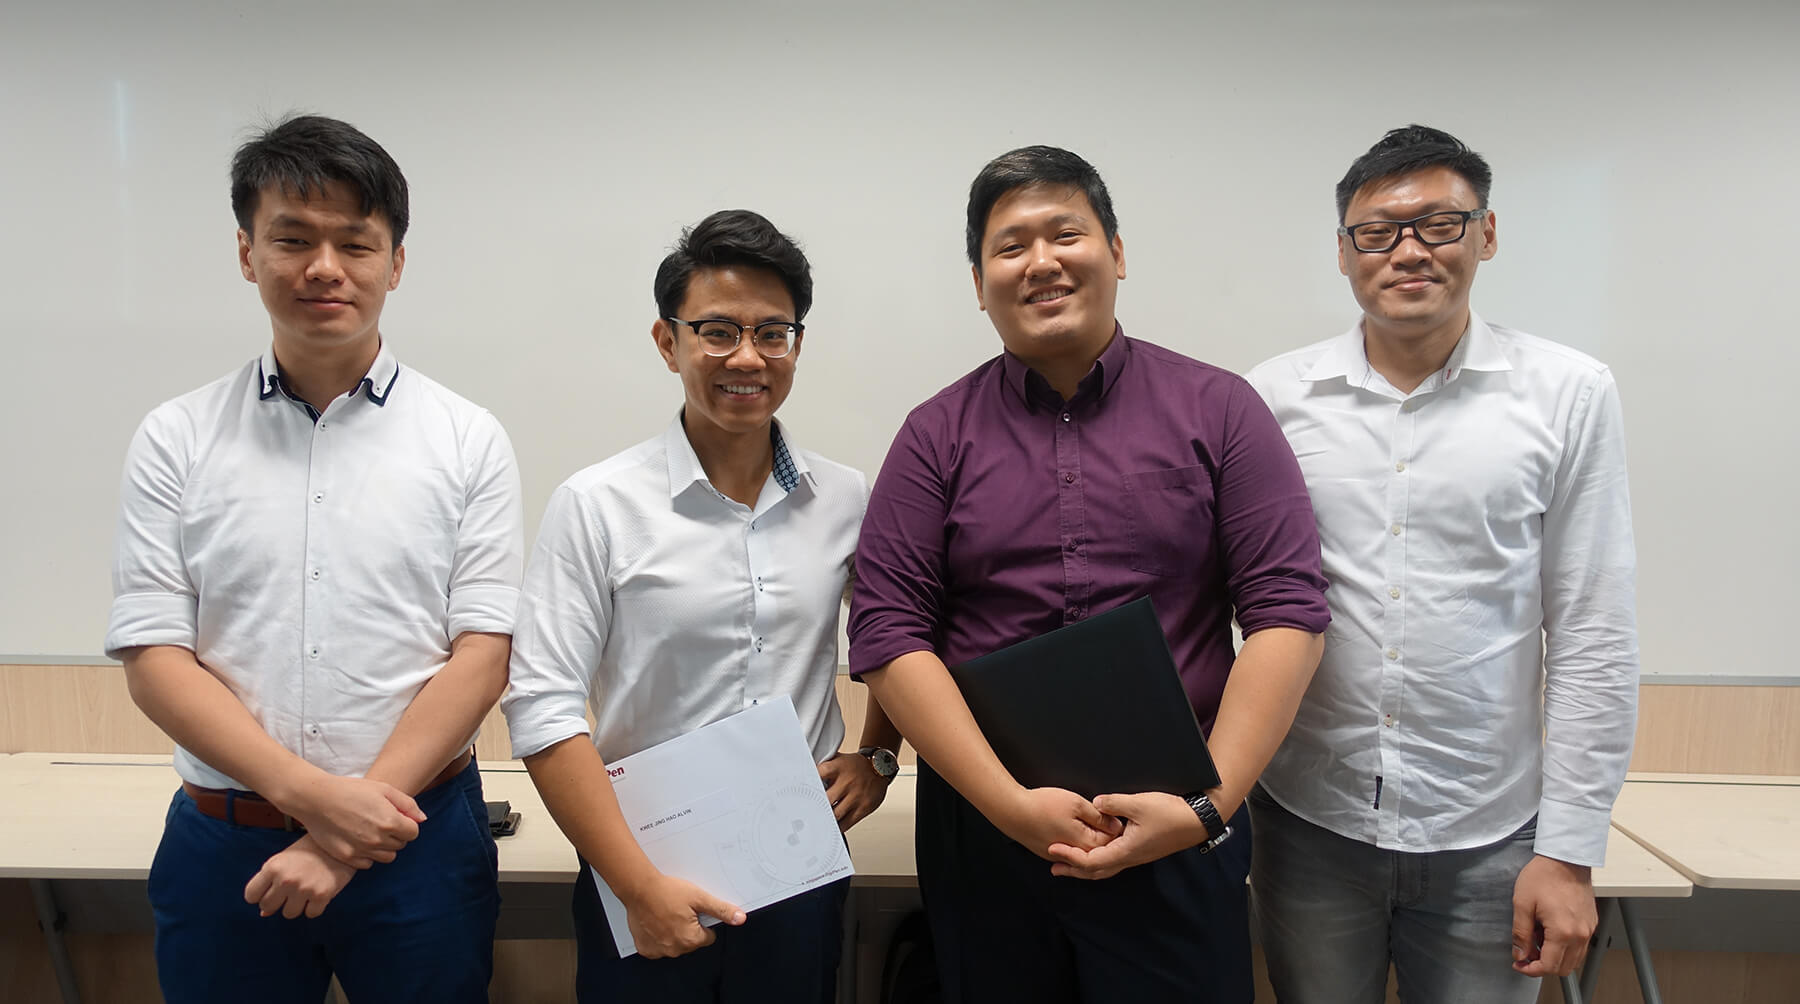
x=787 y=845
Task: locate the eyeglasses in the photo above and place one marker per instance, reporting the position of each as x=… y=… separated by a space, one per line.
x=719 y=337
x=1377 y=236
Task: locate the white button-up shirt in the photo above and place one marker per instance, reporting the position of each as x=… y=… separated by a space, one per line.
x=669 y=606
x=319 y=568
x=1482 y=660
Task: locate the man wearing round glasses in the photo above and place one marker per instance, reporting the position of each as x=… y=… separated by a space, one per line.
x=1448 y=782
x=678 y=583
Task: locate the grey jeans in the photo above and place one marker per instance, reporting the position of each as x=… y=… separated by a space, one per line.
x=1332 y=912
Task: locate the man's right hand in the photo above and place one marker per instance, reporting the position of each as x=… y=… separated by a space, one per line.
x=665 y=917
x=1040 y=817
x=354 y=819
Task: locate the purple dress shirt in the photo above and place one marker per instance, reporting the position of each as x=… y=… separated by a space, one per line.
x=1003 y=512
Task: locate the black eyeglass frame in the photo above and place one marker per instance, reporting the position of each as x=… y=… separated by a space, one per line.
x=1402 y=226
x=795 y=327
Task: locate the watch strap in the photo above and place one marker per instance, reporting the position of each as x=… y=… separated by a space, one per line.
x=1216 y=830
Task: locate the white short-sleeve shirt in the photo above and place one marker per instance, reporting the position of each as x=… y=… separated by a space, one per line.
x=671 y=606
x=320 y=568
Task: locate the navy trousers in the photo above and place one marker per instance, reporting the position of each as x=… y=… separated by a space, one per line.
x=1005 y=929
x=420 y=928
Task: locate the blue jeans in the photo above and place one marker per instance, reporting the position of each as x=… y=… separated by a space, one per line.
x=784 y=953
x=1332 y=912
x=420 y=928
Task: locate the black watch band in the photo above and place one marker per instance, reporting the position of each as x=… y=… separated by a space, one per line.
x=1216 y=830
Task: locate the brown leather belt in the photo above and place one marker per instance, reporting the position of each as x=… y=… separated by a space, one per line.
x=247 y=808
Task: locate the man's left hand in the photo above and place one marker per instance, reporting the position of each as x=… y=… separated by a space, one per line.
x=1157 y=825
x=1553 y=917
x=853 y=786
x=301 y=879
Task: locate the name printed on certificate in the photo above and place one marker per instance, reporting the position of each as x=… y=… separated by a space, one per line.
x=735 y=807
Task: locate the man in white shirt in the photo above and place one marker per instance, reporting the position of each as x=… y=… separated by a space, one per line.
x=318 y=562
x=1448 y=783
x=681 y=582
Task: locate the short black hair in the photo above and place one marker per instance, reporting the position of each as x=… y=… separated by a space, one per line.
x=301 y=153
x=1414 y=148
x=733 y=237
x=1034 y=165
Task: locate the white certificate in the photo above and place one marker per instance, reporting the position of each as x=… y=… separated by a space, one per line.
x=735 y=807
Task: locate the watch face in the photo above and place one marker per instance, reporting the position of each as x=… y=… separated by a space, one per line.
x=884 y=762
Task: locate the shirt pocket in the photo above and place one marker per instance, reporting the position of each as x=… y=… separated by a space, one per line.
x=1171 y=519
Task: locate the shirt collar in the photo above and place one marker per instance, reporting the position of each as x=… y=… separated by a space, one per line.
x=684 y=464
x=376 y=385
x=1346 y=357
x=1034 y=390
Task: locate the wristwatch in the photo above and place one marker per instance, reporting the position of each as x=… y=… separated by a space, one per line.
x=886 y=764
x=1216 y=830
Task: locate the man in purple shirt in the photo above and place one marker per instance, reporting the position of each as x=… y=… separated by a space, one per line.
x=1077 y=471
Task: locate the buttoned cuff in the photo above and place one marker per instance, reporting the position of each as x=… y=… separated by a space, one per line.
x=1572 y=833
x=486 y=608
x=140 y=619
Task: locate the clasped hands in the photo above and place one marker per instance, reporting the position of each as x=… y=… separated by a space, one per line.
x=1100 y=838
x=351 y=823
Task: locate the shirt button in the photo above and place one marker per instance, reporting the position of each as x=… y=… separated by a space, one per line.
x=1393 y=653
x=1388 y=720
x=1400 y=466
x=318 y=496
x=313 y=651
x=1395 y=529
x=1394 y=592
x=323 y=423
x=315 y=575
x=753 y=524
x=1069 y=478
x=1065 y=416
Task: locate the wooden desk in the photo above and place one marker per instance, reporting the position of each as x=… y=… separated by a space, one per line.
x=100 y=817
x=1722 y=832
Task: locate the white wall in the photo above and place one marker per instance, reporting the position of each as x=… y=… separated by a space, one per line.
x=1645 y=157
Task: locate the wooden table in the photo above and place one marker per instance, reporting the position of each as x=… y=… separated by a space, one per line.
x=1721 y=831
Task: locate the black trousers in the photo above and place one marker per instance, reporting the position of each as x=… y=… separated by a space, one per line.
x=785 y=953
x=1005 y=929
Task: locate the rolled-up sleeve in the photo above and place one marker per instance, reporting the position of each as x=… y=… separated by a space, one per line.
x=1590 y=633
x=490 y=541
x=154 y=600
x=1266 y=527
x=564 y=614
x=897 y=599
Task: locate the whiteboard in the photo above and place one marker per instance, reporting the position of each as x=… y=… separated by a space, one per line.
x=1645 y=157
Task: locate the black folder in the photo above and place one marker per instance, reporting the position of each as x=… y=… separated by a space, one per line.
x=1096 y=707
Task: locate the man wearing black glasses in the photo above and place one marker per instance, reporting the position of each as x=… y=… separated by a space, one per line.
x=678 y=583
x=1448 y=782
